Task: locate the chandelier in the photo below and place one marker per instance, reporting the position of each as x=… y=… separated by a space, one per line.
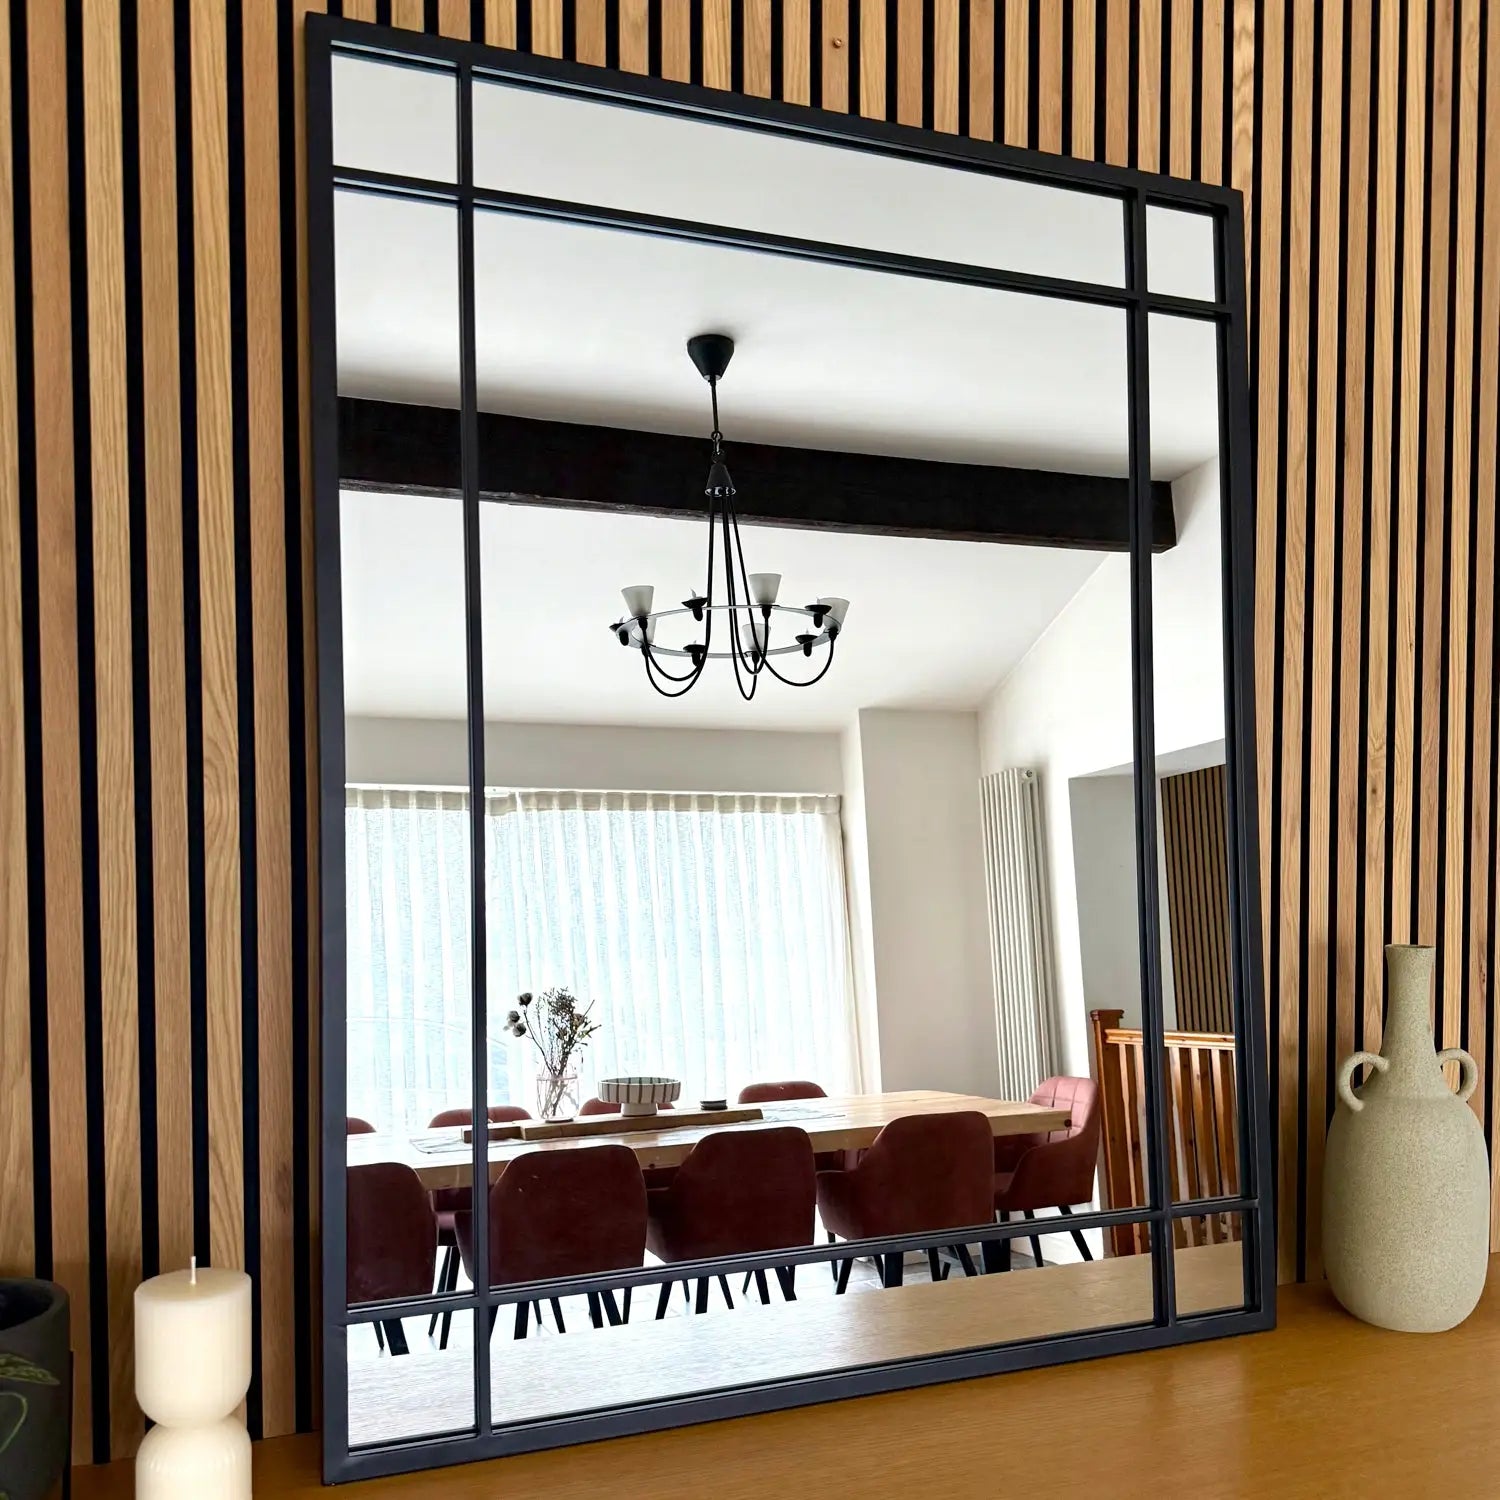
x=748 y=608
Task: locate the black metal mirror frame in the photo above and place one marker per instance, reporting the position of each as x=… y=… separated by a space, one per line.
x=1135 y=192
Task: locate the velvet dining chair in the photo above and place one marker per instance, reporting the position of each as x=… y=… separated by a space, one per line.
x=738 y=1193
x=578 y=1212
x=656 y=1177
x=1053 y=1169
x=448 y=1201
x=921 y=1173
x=353 y=1125
x=390 y=1240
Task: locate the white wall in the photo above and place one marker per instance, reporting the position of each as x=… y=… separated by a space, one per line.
x=912 y=803
x=587 y=757
x=1065 y=709
x=857 y=886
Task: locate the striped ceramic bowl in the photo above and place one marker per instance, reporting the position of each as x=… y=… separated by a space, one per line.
x=639 y=1095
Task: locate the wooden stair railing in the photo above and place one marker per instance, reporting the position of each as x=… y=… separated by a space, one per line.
x=1201 y=1107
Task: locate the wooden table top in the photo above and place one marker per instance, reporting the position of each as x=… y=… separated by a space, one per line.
x=1323 y=1406
x=838 y=1123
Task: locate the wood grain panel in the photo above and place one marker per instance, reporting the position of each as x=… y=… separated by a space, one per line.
x=17 y=1146
x=60 y=771
x=113 y=701
x=218 y=689
x=1017 y=72
x=1193 y=807
x=161 y=415
x=1362 y=138
x=834 y=58
x=268 y=582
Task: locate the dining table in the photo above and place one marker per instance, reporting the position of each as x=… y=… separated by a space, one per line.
x=843 y=1122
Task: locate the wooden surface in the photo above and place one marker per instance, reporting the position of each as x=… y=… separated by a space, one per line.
x=1323 y=1406
x=588 y=1370
x=1196 y=862
x=834 y=1124
x=620 y=1124
x=1375 y=409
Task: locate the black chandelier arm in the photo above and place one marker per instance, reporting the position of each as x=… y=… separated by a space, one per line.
x=743 y=663
x=651 y=662
x=688 y=682
x=792 y=681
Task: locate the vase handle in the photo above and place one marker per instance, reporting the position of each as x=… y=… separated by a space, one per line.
x=1468 y=1069
x=1346 y=1076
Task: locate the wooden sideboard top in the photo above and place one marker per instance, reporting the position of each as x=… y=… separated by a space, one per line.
x=1322 y=1405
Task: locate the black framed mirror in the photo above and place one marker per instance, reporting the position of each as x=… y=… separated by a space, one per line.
x=909 y=951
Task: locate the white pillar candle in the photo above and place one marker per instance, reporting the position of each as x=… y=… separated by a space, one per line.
x=192 y=1370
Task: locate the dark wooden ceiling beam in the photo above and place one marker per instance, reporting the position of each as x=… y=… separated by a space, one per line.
x=392 y=446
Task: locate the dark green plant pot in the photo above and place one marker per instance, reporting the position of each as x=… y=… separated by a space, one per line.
x=33 y=1388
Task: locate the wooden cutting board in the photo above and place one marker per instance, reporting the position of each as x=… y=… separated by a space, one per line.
x=667 y=1119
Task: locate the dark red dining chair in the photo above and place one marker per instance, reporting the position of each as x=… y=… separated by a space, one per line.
x=738 y=1193
x=921 y=1173
x=796 y=1088
x=353 y=1125
x=448 y=1201
x=1051 y=1169
x=390 y=1239
x=578 y=1212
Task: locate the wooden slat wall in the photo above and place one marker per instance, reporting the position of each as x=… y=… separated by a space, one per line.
x=156 y=911
x=1197 y=896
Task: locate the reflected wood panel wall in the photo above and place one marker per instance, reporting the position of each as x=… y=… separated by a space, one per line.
x=1193 y=821
x=156 y=907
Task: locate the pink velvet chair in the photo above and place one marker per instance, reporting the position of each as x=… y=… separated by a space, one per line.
x=1052 y=1169
x=448 y=1201
x=390 y=1240
x=738 y=1192
x=921 y=1173
x=656 y=1177
x=578 y=1212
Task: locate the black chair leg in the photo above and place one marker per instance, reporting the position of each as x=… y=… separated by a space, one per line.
x=763 y=1287
x=395 y=1336
x=935 y=1267
x=596 y=1311
x=628 y=1291
x=611 y=1308
x=724 y=1287
x=995 y=1254
x=379 y=1339
x=447 y=1324
x=1036 y=1243
x=447 y=1269
x=1078 y=1239
x=523 y=1313
x=787 y=1276
x=833 y=1265
x=556 y=1313
x=841 y=1276
x=892 y=1269
x=663 y=1299
x=700 y=1299
x=966 y=1260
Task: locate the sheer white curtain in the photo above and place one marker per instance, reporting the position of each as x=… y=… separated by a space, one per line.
x=710 y=931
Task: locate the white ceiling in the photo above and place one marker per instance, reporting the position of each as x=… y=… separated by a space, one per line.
x=932 y=624
x=589 y=325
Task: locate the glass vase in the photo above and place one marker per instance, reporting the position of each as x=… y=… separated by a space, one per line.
x=557 y=1096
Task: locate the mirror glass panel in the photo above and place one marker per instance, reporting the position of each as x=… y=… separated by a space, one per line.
x=550 y=146
x=811 y=887
x=1180 y=259
x=395 y=118
x=1203 y=1034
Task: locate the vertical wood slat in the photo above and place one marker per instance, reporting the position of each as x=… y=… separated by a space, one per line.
x=945 y=82
x=1085 y=105
x=756 y=44
x=981 y=79
x=796 y=52
x=52 y=421
x=267 y=563
x=17 y=1145
x=1048 y=84
x=218 y=638
x=164 y=613
x=717 y=43
x=835 y=56
x=910 y=79
x=1116 y=104
x=1017 y=74
x=110 y=548
x=872 y=48
x=635 y=36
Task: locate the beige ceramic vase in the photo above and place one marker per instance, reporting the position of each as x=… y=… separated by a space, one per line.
x=1406 y=1182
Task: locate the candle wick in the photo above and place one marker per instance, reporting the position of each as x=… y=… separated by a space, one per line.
x=193 y=1270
